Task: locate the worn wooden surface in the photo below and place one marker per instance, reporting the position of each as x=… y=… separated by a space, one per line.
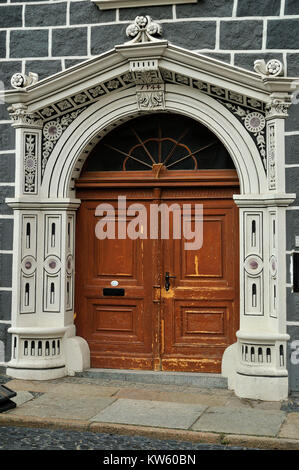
x=186 y=328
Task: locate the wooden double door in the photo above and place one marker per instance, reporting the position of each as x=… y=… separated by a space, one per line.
x=131 y=313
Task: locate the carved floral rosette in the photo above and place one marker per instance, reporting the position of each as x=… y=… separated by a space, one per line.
x=255 y=123
x=53 y=130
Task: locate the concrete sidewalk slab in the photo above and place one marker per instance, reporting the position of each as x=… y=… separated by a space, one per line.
x=240 y=421
x=22 y=397
x=62 y=388
x=290 y=428
x=236 y=402
x=150 y=413
x=60 y=406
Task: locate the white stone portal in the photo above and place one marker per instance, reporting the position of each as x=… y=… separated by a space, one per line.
x=59 y=120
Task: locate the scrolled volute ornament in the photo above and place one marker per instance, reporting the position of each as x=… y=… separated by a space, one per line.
x=144 y=29
x=20 y=80
x=273 y=68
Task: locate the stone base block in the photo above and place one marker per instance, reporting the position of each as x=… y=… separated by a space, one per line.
x=77 y=354
x=36 y=374
x=261 y=388
x=229 y=364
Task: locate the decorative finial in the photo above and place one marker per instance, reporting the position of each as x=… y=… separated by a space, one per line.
x=273 y=68
x=143 y=30
x=20 y=80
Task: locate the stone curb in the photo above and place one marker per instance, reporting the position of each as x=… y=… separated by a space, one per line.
x=256 y=442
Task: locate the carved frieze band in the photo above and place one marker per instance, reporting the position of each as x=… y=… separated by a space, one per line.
x=249 y=111
x=58 y=116
x=30 y=163
x=149 y=80
x=271 y=156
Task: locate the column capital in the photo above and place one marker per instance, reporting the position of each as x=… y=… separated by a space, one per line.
x=21 y=117
x=278 y=106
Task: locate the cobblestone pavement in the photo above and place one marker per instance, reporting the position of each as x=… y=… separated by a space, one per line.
x=21 y=438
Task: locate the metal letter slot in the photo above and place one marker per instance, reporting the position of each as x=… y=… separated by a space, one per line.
x=113 y=291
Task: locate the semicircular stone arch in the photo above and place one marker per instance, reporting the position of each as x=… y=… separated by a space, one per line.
x=72 y=149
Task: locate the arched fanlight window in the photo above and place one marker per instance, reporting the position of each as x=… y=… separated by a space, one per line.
x=172 y=141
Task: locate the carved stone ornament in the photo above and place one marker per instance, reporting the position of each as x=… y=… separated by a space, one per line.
x=143 y=30
x=30 y=163
x=20 y=80
x=255 y=123
x=149 y=84
x=273 y=68
x=53 y=130
x=22 y=117
x=278 y=107
x=271 y=156
x=150 y=97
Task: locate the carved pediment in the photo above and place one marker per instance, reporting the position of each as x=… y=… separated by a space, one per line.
x=150 y=65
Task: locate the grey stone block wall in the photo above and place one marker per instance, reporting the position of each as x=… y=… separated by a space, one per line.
x=293 y=357
x=48 y=36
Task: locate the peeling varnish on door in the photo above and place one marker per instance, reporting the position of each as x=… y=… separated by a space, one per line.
x=167 y=294
x=196 y=265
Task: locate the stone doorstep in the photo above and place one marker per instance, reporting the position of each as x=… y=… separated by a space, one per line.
x=198 y=379
x=253 y=442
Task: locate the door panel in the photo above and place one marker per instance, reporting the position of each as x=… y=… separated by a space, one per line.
x=200 y=310
x=120 y=330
